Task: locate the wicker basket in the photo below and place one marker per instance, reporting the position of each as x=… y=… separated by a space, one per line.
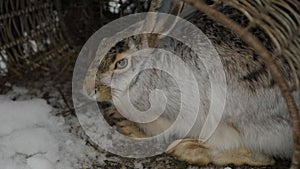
x=30 y=36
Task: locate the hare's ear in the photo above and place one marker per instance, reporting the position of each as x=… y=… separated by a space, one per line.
x=160 y=23
x=173 y=7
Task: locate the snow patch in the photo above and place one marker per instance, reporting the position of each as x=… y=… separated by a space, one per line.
x=22 y=114
x=32 y=138
x=37 y=161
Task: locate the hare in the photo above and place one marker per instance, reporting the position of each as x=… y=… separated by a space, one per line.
x=255 y=126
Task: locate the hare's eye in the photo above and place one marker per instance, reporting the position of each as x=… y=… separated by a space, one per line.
x=121 y=64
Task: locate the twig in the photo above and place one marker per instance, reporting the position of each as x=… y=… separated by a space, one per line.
x=71 y=109
x=277 y=75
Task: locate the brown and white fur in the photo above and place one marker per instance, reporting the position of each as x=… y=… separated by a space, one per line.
x=255 y=126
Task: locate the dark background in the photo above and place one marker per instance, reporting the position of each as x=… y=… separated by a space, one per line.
x=84 y=17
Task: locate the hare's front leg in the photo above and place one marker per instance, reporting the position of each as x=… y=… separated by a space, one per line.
x=123 y=125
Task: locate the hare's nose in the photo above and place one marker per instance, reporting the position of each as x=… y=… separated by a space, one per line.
x=104 y=104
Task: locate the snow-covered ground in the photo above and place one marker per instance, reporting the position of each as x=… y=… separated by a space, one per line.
x=32 y=138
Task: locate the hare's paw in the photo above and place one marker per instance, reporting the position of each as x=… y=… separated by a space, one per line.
x=199 y=153
x=190 y=150
x=123 y=125
x=130 y=129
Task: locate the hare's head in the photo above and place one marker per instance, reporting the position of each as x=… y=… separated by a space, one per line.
x=126 y=58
